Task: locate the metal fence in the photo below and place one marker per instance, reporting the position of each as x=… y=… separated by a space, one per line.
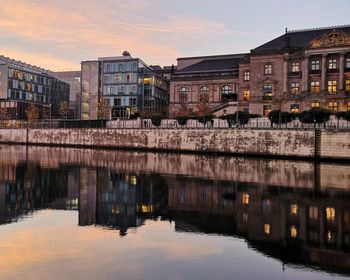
x=257 y=123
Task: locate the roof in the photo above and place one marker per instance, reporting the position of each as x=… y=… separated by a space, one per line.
x=215 y=63
x=298 y=39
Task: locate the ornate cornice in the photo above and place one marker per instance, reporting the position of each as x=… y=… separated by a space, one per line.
x=332 y=39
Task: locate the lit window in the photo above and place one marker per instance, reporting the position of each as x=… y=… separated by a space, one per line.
x=245 y=198
x=333 y=106
x=267 y=91
x=315 y=87
x=246 y=95
x=332 y=64
x=347 y=85
x=295 y=88
x=268 y=69
x=246 y=76
x=315 y=105
x=293 y=232
x=348 y=105
x=313 y=212
x=294 y=209
x=294 y=108
x=267 y=229
x=295 y=67
x=315 y=65
x=330 y=214
x=266 y=110
x=332 y=87
x=330 y=237
x=183 y=94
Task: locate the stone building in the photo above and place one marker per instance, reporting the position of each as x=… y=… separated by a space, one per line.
x=299 y=70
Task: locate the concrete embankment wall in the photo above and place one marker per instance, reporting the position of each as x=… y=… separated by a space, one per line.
x=279 y=143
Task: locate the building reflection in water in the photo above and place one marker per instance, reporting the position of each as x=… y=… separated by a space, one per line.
x=306 y=225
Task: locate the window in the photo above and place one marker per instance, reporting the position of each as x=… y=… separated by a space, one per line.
x=347 y=85
x=245 y=217
x=268 y=69
x=267 y=91
x=117 y=102
x=266 y=110
x=294 y=108
x=347 y=63
x=315 y=65
x=315 y=105
x=293 y=209
x=108 y=67
x=315 y=87
x=348 y=106
x=267 y=229
x=295 y=88
x=295 y=67
x=313 y=212
x=203 y=94
x=245 y=198
x=111 y=90
x=246 y=95
x=333 y=106
x=132 y=101
x=226 y=90
x=183 y=95
x=267 y=206
x=332 y=87
x=246 y=76
x=332 y=63
x=293 y=232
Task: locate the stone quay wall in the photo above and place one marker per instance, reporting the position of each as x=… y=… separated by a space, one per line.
x=275 y=143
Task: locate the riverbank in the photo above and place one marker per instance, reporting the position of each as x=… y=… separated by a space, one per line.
x=301 y=144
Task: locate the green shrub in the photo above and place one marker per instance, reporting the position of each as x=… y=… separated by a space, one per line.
x=278 y=117
x=182 y=120
x=157 y=119
x=315 y=116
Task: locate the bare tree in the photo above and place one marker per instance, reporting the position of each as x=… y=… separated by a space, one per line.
x=103 y=109
x=279 y=99
x=63 y=109
x=32 y=113
x=4 y=118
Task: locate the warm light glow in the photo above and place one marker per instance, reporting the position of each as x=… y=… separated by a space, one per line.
x=330 y=212
x=147 y=208
x=293 y=232
x=294 y=209
x=267 y=229
x=133 y=180
x=245 y=198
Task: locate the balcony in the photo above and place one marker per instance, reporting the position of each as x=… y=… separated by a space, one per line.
x=315 y=72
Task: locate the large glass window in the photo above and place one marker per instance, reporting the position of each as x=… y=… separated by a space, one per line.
x=295 y=88
x=332 y=87
x=183 y=95
x=315 y=86
x=268 y=69
x=246 y=76
x=332 y=63
x=246 y=95
x=315 y=65
x=295 y=67
x=333 y=106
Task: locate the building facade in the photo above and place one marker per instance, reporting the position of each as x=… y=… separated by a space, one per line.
x=73 y=78
x=299 y=70
x=22 y=84
x=126 y=84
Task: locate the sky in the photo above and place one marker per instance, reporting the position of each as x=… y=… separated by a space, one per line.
x=59 y=34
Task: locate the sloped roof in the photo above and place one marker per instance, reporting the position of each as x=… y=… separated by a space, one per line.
x=298 y=39
x=215 y=64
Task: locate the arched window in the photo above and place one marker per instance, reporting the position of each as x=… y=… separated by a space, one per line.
x=226 y=90
x=204 y=94
x=183 y=95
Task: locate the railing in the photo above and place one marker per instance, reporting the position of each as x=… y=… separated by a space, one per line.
x=255 y=123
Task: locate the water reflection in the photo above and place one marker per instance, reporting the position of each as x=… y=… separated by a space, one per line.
x=296 y=212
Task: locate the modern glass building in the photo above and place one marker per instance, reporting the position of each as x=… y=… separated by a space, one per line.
x=126 y=84
x=22 y=84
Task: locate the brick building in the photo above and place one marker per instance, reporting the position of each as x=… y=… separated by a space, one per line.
x=306 y=68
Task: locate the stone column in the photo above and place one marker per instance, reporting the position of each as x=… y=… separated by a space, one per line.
x=324 y=72
x=305 y=69
x=341 y=72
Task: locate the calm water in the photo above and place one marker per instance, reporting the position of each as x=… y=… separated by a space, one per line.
x=92 y=214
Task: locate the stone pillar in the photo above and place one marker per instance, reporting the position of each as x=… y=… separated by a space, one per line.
x=341 y=72
x=285 y=73
x=305 y=69
x=324 y=72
